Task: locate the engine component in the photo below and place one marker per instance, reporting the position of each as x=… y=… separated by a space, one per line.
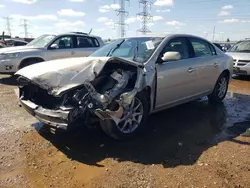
x=108 y=114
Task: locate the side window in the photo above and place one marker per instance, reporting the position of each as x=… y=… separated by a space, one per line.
x=95 y=41
x=63 y=42
x=201 y=48
x=87 y=42
x=177 y=45
x=213 y=50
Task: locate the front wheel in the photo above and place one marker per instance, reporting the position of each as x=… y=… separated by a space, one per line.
x=135 y=121
x=220 y=89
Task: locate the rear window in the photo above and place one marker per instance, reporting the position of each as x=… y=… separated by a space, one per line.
x=87 y=42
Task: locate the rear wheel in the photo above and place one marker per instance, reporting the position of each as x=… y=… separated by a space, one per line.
x=135 y=119
x=29 y=62
x=220 y=89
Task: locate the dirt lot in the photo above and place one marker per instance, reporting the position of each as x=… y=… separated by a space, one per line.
x=193 y=145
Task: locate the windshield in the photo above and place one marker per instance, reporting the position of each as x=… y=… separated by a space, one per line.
x=41 y=41
x=137 y=49
x=243 y=46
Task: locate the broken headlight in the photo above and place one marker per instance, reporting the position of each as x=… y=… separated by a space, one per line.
x=21 y=82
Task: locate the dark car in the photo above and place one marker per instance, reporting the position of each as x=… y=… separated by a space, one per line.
x=218 y=45
x=226 y=47
x=15 y=42
x=2 y=45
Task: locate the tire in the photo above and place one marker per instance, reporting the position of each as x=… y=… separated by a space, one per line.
x=114 y=131
x=29 y=62
x=220 y=89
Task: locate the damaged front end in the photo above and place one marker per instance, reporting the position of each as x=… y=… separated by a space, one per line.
x=106 y=96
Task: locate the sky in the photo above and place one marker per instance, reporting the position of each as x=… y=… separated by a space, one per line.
x=229 y=18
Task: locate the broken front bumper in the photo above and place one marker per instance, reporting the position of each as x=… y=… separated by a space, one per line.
x=54 y=118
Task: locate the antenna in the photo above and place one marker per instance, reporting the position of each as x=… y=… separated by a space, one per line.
x=90 y=31
x=8 y=26
x=25 y=26
x=145 y=15
x=122 y=13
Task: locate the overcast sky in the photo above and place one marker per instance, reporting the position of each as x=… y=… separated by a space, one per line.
x=231 y=18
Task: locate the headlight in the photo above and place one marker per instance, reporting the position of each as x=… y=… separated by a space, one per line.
x=9 y=56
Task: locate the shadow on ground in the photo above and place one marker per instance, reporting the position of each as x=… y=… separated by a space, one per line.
x=242 y=77
x=177 y=136
x=8 y=80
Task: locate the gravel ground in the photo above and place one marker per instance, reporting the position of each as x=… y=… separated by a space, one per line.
x=193 y=145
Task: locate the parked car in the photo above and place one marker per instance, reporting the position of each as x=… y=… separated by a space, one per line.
x=218 y=46
x=125 y=81
x=225 y=47
x=241 y=55
x=48 y=47
x=2 y=45
x=15 y=42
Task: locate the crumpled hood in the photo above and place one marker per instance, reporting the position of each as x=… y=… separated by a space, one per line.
x=239 y=55
x=57 y=76
x=16 y=49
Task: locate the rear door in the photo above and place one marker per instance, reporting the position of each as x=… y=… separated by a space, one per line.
x=176 y=80
x=64 y=48
x=205 y=55
x=85 y=46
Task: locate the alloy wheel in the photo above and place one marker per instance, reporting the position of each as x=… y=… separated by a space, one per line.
x=132 y=118
x=222 y=88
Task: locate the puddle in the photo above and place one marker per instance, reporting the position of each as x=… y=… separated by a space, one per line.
x=237 y=118
x=240 y=128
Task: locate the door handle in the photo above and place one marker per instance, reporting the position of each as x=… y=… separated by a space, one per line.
x=72 y=53
x=190 y=70
x=216 y=64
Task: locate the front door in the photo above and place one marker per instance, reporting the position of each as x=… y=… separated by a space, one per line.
x=64 y=48
x=176 y=80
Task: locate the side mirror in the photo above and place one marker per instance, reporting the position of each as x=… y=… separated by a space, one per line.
x=171 y=56
x=54 y=46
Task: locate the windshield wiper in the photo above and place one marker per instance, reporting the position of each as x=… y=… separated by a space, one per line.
x=112 y=50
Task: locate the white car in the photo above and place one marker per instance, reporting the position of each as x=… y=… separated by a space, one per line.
x=48 y=47
x=241 y=55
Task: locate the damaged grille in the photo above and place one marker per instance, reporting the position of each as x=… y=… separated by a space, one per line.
x=40 y=97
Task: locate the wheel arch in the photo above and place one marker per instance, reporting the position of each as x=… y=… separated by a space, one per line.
x=147 y=91
x=227 y=72
x=38 y=59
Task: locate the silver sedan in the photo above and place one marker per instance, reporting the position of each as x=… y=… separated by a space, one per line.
x=122 y=83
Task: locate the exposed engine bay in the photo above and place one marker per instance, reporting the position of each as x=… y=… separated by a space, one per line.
x=106 y=96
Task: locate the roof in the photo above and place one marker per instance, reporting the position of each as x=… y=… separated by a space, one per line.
x=77 y=34
x=71 y=33
x=148 y=35
x=165 y=36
